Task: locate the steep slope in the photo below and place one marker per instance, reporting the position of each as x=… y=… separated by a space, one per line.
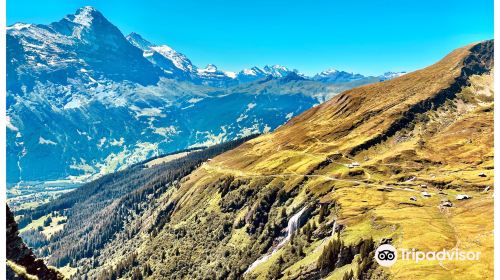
x=170 y=61
x=369 y=115
x=383 y=163
x=83 y=46
x=21 y=263
x=110 y=202
x=430 y=131
x=177 y=66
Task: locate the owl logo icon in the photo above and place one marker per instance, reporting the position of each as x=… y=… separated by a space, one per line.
x=386 y=255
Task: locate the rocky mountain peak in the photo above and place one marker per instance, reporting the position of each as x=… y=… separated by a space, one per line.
x=86 y=15
x=211 y=68
x=138 y=41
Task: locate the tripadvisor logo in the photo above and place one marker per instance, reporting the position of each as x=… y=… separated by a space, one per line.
x=386 y=255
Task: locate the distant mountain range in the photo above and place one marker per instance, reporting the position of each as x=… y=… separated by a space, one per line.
x=176 y=65
x=86 y=45
x=88 y=100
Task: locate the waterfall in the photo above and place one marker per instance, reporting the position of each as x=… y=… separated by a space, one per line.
x=292 y=227
x=334 y=227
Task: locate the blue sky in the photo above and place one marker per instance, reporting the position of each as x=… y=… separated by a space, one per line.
x=368 y=37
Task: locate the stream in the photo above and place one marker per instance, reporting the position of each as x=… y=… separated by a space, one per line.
x=292 y=227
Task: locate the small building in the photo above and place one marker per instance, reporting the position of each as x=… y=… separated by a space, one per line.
x=463 y=197
x=446 y=203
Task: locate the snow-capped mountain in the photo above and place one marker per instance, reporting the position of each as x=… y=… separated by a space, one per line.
x=256 y=73
x=336 y=76
x=278 y=71
x=391 y=75
x=84 y=100
x=82 y=46
x=212 y=76
x=176 y=65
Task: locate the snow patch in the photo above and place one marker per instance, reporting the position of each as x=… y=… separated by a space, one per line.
x=230 y=74
x=166 y=131
x=117 y=142
x=211 y=138
x=84 y=16
x=195 y=100
x=241 y=117
x=73 y=104
x=101 y=142
x=247 y=131
x=148 y=112
x=82 y=166
x=19 y=26
x=179 y=60
x=44 y=141
x=10 y=125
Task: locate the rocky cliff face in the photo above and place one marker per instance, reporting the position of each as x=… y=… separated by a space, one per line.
x=21 y=262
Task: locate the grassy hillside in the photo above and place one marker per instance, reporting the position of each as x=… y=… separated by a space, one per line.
x=78 y=224
x=316 y=197
x=430 y=130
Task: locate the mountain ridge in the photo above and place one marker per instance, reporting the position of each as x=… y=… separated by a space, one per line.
x=64 y=76
x=315 y=156
x=305 y=201
x=86 y=20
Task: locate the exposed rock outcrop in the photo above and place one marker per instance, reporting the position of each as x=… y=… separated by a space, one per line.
x=21 y=262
